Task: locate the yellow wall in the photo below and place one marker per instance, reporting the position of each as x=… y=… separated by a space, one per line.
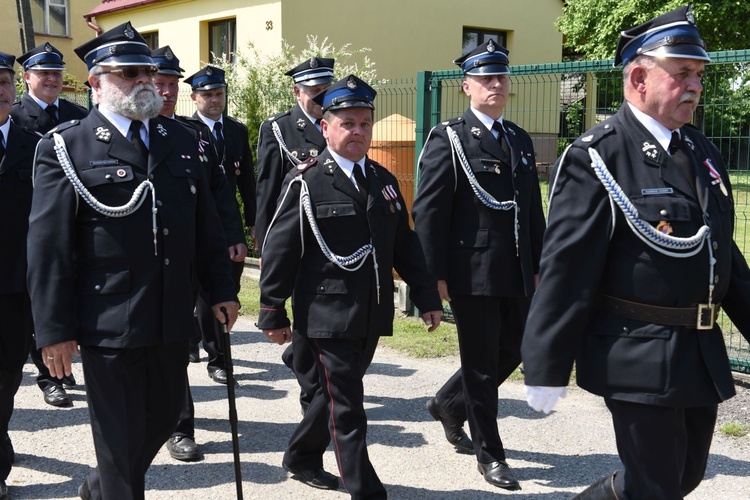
x=78 y=30
x=407 y=36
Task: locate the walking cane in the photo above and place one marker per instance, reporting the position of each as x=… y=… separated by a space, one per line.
x=232 y=402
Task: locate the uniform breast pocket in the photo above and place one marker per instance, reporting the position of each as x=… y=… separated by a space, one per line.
x=328 y=210
x=102 y=176
x=186 y=172
x=662 y=208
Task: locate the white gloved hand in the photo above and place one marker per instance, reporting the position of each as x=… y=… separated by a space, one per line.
x=543 y=398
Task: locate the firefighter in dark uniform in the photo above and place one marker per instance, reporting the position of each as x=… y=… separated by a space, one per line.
x=285 y=140
x=209 y=93
x=16 y=327
x=339 y=274
x=478 y=213
x=39 y=110
x=121 y=222
x=181 y=445
x=637 y=259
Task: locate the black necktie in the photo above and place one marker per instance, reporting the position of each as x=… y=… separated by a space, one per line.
x=135 y=138
x=2 y=148
x=361 y=179
x=317 y=124
x=681 y=159
x=501 y=138
x=219 y=141
x=51 y=110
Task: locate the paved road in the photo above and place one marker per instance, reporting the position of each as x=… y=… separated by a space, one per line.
x=555 y=456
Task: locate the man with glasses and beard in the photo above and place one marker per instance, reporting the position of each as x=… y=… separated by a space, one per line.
x=121 y=223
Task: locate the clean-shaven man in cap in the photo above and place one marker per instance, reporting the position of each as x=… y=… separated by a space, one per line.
x=121 y=223
x=40 y=109
x=355 y=232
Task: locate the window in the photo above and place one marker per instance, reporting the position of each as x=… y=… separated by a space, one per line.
x=221 y=40
x=152 y=39
x=50 y=17
x=474 y=37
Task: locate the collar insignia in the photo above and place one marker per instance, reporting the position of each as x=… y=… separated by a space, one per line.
x=103 y=134
x=162 y=131
x=476 y=132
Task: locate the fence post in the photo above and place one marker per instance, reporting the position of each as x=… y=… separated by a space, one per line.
x=424 y=113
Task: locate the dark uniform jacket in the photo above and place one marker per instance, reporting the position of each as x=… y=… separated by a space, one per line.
x=589 y=249
x=303 y=140
x=96 y=279
x=329 y=302
x=224 y=197
x=467 y=243
x=15 y=204
x=237 y=161
x=28 y=114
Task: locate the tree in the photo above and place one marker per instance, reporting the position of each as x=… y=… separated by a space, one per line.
x=592 y=27
x=259 y=88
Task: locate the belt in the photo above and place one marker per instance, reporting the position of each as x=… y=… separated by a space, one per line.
x=699 y=317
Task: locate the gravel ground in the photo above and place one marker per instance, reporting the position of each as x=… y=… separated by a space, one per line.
x=554 y=456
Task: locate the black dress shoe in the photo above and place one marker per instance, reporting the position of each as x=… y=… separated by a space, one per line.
x=183 y=448
x=84 y=492
x=56 y=396
x=499 y=474
x=317 y=478
x=194 y=354
x=454 y=430
x=219 y=376
x=4 y=495
x=69 y=380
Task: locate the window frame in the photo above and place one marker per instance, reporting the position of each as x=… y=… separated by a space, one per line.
x=230 y=42
x=45 y=29
x=500 y=36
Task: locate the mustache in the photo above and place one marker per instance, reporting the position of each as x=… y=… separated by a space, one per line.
x=688 y=96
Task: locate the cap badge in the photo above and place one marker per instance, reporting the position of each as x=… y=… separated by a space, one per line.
x=128 y=32
x=47 y=47
x=209 y=71
x=351 y=84
x=313 y=63
x=162 y=131
x=169 y=55
x=103 y=134
x=490 y=46
x=689 y=16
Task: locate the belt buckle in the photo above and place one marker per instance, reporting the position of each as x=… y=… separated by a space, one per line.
x=706 y=316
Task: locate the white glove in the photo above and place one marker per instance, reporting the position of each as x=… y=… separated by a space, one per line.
x=543 y=398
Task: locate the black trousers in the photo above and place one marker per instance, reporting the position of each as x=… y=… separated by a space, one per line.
x=664 y=450
x=338 y=408
x=209 y=329
x=134 y=398
x=16 y=328
x=490 y=330
x=209 y=326
x=299 y=357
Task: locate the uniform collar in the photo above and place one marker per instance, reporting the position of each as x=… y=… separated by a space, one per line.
x=486 y=120
x=661 y=133
x=122 y=123
x=43 y=104
x=5 y=129
x=210 y=122
x=347 y=165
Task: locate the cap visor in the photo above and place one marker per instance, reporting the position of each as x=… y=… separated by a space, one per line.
x=127 y=60
x=316 y=81
x=682 y=51
x=490 y=69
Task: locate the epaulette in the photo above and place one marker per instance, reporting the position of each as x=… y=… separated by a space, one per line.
x=278 y=115
x=302 y=167
x=235 y=120
x=452 y=121
x=594 y=135
x=63 y=126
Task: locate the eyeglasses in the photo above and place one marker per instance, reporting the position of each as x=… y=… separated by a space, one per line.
x=132 y=72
